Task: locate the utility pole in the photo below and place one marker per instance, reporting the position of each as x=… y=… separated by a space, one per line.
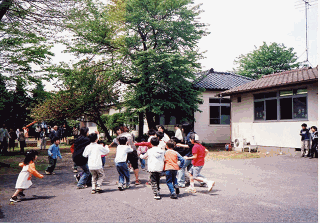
x=307 y=4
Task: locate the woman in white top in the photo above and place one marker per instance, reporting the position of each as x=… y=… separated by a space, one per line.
x=178 y=133
x=165 y=137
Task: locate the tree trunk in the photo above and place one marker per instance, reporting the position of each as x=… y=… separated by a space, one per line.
x=4 y=7
x=151 y=123
x=141 y=124
x=104 y=128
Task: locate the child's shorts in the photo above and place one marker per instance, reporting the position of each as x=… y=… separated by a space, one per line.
x=195 y=171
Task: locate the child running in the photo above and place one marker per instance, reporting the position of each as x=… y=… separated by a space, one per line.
x=199 y=152
x=155 y=157
x=94 y=151
x=171 y=167
x=53 y=154
x=24 y=178
x=121 y=157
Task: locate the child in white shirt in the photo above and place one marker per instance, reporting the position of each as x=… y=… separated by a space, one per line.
x=121 y=157
x=94 y=152
x=155 y=157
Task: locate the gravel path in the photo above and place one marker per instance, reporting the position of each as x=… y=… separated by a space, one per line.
x=272 y=189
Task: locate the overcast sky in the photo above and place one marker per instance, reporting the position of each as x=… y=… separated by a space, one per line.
x=237 y=26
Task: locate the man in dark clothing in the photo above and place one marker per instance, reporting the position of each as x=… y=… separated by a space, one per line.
x=305 y=140
x=79 y=145
x=314 y=146
x=54 y=134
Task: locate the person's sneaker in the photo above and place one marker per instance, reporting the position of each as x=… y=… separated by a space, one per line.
x=120 y=187
x=191 y=190
x=181 y=186
x=210 y=185
x=75 y=171
x=93 y=191
x=157 y=196
x=202 y=184
x=137 y=182
x=21 y=194
x=98 y=190
x=127 y=186
x=131 y=170
x=81 y=187
x=14 y=199
x=173 y=196
x=47 y=173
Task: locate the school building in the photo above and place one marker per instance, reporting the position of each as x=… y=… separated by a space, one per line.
x=268 y=112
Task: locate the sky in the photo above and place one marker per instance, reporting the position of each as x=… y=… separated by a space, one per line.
x=237 y=26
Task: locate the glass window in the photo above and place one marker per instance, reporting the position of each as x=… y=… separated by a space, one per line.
x=270 y=95
x=300 y=91
x=225 y=114
x=286 y=108
x=300 y=107
x=259 y=110
x=219 y=111
x=271 y=110
x=259 y=96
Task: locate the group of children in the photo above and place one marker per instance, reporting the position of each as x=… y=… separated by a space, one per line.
x=306 y=136
x=161 y=156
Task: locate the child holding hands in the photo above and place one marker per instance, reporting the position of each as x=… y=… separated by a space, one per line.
x=24 y=178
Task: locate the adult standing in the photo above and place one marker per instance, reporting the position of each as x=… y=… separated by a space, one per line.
x=38 y=130
x=165 y=136
x=4 y=135
x=178 y=133
x=75 y=132
x=79 y=145
x=12 y=139
x=22 y=141
x=132 y=156
x=43 y=140
x=54 y=134
x=64 y=133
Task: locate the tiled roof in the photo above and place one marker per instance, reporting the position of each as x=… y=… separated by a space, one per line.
x=211 y=80
x=278 y=79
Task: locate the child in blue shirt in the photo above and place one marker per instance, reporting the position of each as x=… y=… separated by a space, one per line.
x=305 y=140
x=53 y=154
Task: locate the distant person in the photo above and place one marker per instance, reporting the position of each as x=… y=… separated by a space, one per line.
x=53 y=154
x=75 y=132
x=26 y=132
x=165 y=136
x=43 y=140
x=22 y=141
x=305 y=140
x=120 y=160
x=171 y=167
x=178 y=133
x=93 y=152
x=199 y=153
x=314 y=143
x=24 y=178
x=3 y=133
x=12 y=139
x=155 y=157
x=64 y=133
x=5 y=139
x=38 y=130
x=54 y=134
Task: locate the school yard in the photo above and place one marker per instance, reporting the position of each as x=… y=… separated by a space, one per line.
x=278 y=188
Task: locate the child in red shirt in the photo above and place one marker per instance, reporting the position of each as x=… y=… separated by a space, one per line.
x=199 y=152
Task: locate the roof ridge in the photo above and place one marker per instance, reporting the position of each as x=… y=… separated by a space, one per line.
x=285 y=72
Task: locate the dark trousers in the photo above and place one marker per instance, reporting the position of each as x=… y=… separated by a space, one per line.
x=171 y=179
x=22 y=145
x=155 y=181
x=313 y=151
x=52 y=164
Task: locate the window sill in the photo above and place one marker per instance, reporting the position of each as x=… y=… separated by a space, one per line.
x=215 y=125
x=273 y=121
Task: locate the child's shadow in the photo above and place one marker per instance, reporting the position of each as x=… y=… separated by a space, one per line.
x=35 y=197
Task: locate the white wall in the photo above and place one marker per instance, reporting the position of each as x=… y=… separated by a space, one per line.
x=270 y=133
x=210 y=133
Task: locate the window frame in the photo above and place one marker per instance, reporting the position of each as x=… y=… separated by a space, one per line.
x=278 y=98
x=220 y=105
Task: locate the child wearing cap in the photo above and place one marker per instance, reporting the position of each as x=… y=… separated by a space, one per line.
x=199 y=152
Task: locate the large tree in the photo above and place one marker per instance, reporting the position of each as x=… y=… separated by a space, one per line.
x=160 y=56
x=266 y=59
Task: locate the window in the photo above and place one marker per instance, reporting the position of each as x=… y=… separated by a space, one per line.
x=219 y=111
x=282 y=105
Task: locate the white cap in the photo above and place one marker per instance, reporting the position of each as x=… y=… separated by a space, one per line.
x=196 y=137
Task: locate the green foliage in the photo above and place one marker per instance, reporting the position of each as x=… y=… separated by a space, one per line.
x=266 y=60
x=161 y=56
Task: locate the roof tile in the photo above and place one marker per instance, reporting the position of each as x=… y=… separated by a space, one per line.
x=277 y=79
